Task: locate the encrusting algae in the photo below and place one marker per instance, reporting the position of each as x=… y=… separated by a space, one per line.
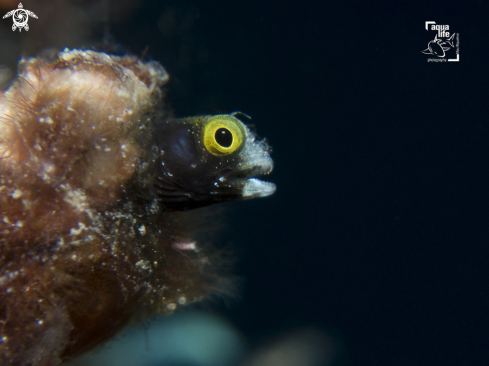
x=91 y=193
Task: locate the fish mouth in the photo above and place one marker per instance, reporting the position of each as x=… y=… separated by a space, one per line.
x=245 y=176
x=258 y=188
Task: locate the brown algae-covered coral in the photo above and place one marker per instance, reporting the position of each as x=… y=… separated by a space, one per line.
x=92 y=183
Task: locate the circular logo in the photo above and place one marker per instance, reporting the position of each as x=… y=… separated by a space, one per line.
x=20 y=17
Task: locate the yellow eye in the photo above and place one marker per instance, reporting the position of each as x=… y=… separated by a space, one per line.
x=223 y=135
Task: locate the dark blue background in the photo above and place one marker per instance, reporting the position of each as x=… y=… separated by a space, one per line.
x=378 y=231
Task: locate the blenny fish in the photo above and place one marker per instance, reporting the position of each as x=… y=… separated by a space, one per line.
x=97 y=191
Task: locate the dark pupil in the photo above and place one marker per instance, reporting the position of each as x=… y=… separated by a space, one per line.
x=224 y=137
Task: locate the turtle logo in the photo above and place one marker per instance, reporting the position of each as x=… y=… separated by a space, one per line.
x=20 y=17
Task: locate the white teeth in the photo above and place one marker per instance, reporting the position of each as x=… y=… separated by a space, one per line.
x=258 y=188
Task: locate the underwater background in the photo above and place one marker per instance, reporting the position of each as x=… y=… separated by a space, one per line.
x=374 y=249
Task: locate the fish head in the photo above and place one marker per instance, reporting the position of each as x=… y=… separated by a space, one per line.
x=209 y=159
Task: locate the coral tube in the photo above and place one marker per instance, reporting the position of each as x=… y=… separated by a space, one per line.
x=84 y=247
